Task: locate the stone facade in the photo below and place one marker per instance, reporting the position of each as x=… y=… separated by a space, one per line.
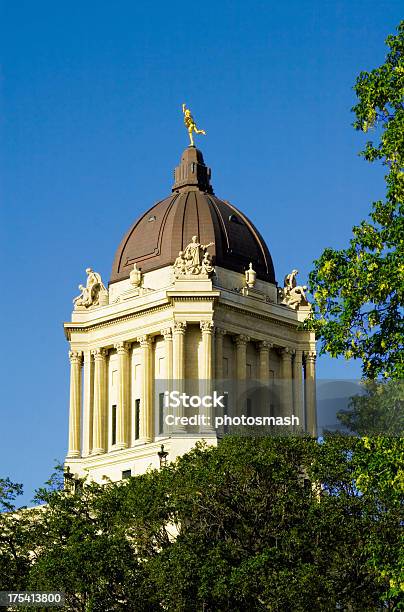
x=185 y=329
x=191 y=320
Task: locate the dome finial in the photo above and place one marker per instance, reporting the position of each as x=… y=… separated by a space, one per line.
x=190 y=124
x=192 y=173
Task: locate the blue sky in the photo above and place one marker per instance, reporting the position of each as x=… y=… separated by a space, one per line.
x=91 y=129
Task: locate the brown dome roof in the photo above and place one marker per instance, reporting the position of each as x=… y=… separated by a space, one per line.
x=156 y=238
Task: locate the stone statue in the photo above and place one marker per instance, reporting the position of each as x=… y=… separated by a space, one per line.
x=250 y=277
x=207 y=267
x=190 y=124
x=135 y=276
x=293 y=294
x=93 y=294
x=180 y=265
x=194 y=260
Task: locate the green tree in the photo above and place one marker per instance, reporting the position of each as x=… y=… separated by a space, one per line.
x=9 y=491
x=256 y=532
x=14 y=538
x=358 y=291
x=244 y=526
x=83 y=548
x=379 y=475
x=377 y=411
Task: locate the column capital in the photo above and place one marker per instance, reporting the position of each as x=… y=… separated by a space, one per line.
x=206 y=327
x=265 y=345
x=122 y=348
x=241 y=340
x=219 y=331
x=310 y=356
x=167 y=333
x=144 y=341
x=99 y=354
x=179 y=327
x=287 y=351
x=75 y=356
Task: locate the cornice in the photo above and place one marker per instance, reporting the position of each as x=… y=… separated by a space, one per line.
x=261 y=316
x=87 y=327
x=209 y=297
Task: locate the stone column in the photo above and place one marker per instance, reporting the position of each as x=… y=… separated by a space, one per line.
x=241 y=369
x=241 y=356
x=207 y=328
x=75 y=403
x=178 y=350
x=298 y=400
x=88 y=400
x=122 y=416
x=168 y=345
x=146 y=407
x=310 y=392
x=263 y=349
x=179 y=365
x=100 y=402
x=220 y=333
x=287 y=388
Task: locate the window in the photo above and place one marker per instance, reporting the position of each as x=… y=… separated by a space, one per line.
x=161 y=413
x=126 y=474
x=137 y=419
x=113 y=424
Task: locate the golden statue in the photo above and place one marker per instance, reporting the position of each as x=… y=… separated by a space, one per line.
x=190 y=124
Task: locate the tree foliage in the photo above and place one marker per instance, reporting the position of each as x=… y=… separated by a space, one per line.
x=358 y=291
x=244 y=526
x=379 y=474
x=378 y=411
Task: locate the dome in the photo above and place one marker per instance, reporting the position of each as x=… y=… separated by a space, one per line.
x=156 y=238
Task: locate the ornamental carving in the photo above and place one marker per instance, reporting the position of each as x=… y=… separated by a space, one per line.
x=292 y=294
x=250 y=277
x=287 y=351
x=265 y=345
x=194 y=261
x=180 y=327
x=310 y=356
x=122 y=348
x=241 y=340
x=93 y=294
x=135 y=276
x=167 y=333
x=144 y=341
x=75 y=356
x=99 y=354
x=206 y=326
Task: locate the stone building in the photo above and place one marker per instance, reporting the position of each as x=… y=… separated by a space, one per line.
x=192 y=297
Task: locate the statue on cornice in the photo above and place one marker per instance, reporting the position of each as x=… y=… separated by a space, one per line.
x=194 y=260
x=93 y=294
x=180 y=265
x=250 y=276
x=293 y=294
